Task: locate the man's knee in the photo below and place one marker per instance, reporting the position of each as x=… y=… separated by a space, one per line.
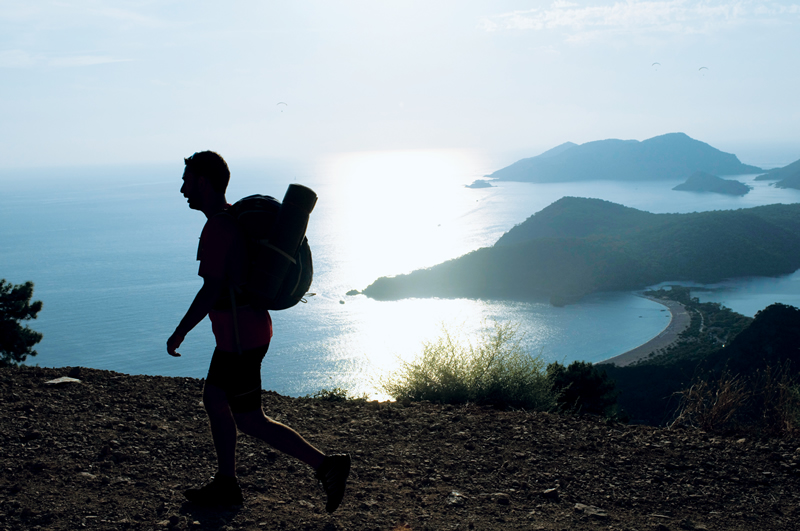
x=214 y=400
x=252 y=422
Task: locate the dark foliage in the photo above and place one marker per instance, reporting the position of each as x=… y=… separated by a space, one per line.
x=650 y=392
x=16 y=341
x=770 y=341
x=647 y=391
x=582 y=388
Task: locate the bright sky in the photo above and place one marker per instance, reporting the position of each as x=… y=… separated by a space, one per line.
x=85 y=82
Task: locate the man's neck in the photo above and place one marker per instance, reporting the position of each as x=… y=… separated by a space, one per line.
x=216 y=206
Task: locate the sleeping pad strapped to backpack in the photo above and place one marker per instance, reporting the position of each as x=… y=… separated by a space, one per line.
x=279 y=267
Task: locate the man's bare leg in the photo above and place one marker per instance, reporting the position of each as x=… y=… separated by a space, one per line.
x=279 y=436
x=224 y=489
x=223 y=428
x=331 y=470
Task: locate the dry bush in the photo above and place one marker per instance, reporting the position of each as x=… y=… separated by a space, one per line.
x=777 y=400
x=712 y=406
x=766 y=403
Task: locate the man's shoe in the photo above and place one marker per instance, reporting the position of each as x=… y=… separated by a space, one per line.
x=221 y=491
x=333 y=474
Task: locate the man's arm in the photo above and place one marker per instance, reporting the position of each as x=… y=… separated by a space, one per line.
x=201 y=305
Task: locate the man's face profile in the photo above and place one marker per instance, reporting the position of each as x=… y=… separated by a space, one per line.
x=192 y=189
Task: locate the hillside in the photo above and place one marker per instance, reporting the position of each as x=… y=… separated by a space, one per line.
x=717 y=341
x=670 y=156
x=787 y=177
x=705 y=182
x=578 y=246
x=115 y=452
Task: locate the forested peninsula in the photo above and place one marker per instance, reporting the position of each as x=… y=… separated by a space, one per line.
x=786 y=177
x=577 y=246
x=671 y=156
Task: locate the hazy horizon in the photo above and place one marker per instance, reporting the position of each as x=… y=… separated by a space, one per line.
x=90 y=83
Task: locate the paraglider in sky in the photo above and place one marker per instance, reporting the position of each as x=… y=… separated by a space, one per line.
x=282 y=103
x=655 y=65
x=702 y=68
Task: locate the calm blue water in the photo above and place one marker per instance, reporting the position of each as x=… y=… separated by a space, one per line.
x=112 y=254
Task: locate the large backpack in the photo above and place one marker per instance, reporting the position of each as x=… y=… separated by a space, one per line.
x=256 y=216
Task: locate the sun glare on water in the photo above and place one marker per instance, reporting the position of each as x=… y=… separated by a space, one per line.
x=399 y=210
x=390 y=213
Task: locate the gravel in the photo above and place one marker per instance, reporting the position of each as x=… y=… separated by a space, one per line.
x=114 y=451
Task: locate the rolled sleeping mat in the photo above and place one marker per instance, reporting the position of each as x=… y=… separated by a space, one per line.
x=292 y=222
x=287 y=235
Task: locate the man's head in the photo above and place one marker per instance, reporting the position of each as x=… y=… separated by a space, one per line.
x=212 y=167
x=205 y=180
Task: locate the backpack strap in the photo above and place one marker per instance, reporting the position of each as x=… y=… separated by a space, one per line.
x=233 y=296
x=266 y=243
x=235 y=321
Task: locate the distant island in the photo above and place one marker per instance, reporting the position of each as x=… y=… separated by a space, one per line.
x=705 y=182
x=787 y=177
x=578 y=246
x=479 y=183
x=671 y=156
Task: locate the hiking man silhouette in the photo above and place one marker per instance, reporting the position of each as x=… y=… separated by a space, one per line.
x=232 y=391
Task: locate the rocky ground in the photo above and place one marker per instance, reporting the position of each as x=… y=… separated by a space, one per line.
x=115 y=452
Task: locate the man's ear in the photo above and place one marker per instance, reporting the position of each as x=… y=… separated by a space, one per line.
x=204 y=184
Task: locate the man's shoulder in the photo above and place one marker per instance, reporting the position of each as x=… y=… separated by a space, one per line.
x=221 y=223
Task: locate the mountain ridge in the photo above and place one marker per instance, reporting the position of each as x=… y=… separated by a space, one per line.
x=578 y=246
x=664 y=157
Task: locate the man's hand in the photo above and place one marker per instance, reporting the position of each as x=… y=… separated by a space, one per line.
x=173 y=343
x=201 y=305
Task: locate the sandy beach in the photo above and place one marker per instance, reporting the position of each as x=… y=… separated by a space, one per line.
x=679 y=321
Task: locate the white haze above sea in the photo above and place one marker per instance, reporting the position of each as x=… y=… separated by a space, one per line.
x=112 y=254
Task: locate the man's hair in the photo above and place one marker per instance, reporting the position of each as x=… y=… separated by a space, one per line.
x=211 y=166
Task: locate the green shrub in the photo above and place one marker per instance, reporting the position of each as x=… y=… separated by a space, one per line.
x=497 y=371
x=582 y=388
x=337 y=394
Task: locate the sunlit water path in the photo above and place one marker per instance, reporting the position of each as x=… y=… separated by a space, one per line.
x=111 y=251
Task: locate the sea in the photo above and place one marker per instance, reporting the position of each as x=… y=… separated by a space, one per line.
x=111 y=251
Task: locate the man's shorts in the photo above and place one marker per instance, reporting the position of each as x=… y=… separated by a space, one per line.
x=239 y=376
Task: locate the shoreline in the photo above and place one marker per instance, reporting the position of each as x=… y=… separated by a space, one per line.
x=678 y=322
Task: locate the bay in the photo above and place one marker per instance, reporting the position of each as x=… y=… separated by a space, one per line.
x=112 y=253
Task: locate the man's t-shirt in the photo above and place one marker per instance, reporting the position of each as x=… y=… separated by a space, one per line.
x=222 y=256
